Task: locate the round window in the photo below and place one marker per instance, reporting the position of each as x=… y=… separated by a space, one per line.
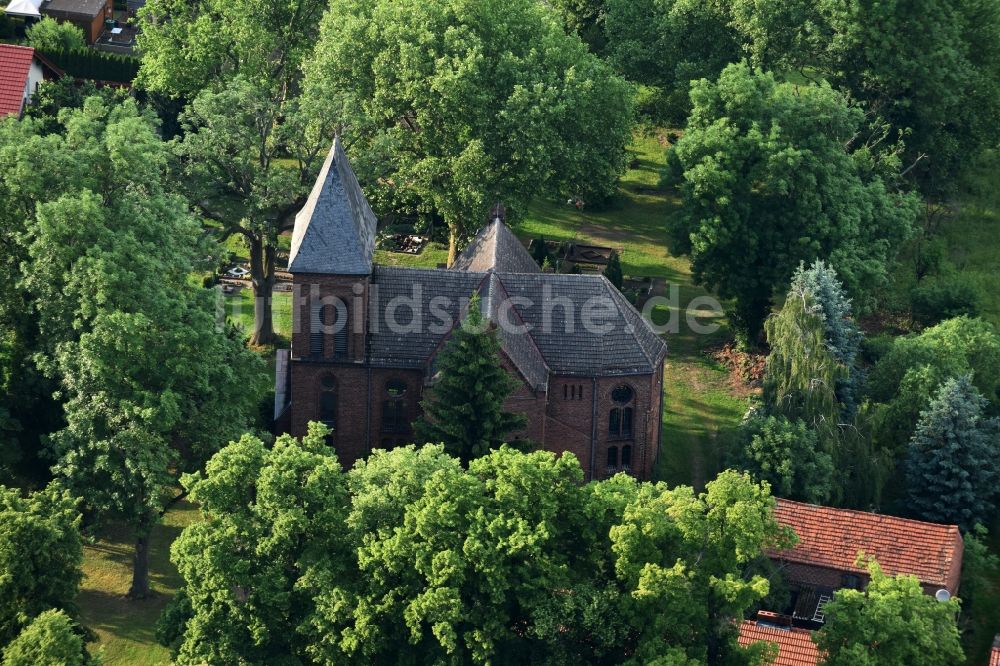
x=622 y=394
x=395 y=388
x=329 y=383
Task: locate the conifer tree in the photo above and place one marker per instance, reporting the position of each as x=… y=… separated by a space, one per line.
x=954 y=457
x=613 y=271
x=464 y=410
x=842 y=335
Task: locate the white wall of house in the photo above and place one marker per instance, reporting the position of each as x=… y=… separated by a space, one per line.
x=35 y=77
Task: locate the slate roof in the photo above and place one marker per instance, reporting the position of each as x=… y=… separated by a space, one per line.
x=796 y=646
x=335 y=230
x=563 y=345
x=15 y=64
x=832 y=538
x=74 y=8
x=546 y=321
x=495 y=248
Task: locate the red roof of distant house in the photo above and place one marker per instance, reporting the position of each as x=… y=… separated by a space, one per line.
x=995 y=653
x=832 y=538
x=796 y=647
x=15 y=63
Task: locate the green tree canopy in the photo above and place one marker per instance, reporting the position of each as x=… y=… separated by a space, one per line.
x=891 y=623
x=466 y=103
x=51 y=638
x=151 y=385
x=788 y=455
x=766 y=183
x=843 y=337
x=464 y=408
x=668 y=44
x=410 y=557
x=51 y=35
x=613 y=271
x=906 y=378
x=801 y=374
x=953 y=463
x=251 y=146
x=40 y=555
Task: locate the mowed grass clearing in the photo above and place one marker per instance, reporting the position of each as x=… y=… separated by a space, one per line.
x=125 y=628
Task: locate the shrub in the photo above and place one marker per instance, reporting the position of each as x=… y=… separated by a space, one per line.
x=944 y=297
x=51 y=35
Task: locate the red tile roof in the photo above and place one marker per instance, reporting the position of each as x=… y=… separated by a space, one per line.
x=832 y=538
x=995 y=653
x=15 y=63
x=796 y=647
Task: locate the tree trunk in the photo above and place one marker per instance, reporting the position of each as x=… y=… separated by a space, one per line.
x=452 y=244
x=262 y=259
x=140 y=568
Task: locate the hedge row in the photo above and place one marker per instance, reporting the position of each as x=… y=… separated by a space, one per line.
x=87 y=63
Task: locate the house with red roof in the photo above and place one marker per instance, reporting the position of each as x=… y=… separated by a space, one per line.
x=826 y=557
x=995 y=652
x=21 y=70
x=795 y=646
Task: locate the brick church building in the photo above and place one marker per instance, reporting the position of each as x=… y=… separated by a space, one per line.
x=365 y=337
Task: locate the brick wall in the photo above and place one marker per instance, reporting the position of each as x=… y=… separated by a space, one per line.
x=561 y=420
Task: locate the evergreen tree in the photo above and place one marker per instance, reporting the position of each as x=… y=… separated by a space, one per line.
x=613 y=271
x=842 y=335
x=540 y=251
x=464 y=410
x=954 y=457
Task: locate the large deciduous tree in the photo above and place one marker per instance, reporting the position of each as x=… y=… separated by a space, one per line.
x=668 y=44
x=410 y=557
x=767 y=183
x=151 y=384
x=240 y=65
x=466 y=103
x=890 y=623
x=929 y=69
x=953 y=462
x=464 y=409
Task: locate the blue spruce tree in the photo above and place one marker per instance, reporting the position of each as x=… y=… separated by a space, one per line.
x=953 y=462
x=842 y=334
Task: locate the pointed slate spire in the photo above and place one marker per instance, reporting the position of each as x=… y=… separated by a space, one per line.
x=335 y=230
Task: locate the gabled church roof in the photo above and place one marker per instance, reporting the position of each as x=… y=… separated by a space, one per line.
x=335 y=230
x=495 y=248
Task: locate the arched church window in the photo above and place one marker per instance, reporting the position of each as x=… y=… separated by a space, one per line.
x=394 y=411
x=620 y=417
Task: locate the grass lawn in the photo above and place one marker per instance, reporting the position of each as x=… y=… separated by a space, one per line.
x=239 y=310
x=700 y=405
x=124 y=628
x=432 y=255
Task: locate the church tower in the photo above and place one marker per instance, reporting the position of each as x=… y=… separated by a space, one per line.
x=331 y=260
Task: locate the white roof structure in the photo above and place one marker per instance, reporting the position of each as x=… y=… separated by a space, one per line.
x=27 y=8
